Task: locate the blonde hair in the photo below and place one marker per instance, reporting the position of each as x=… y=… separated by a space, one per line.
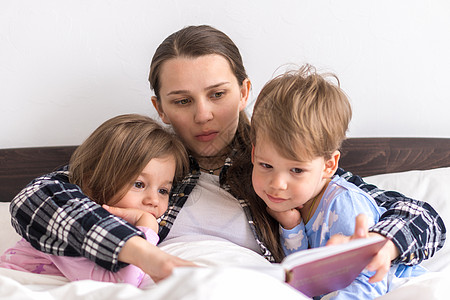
x=114 y=155
x=302 y=108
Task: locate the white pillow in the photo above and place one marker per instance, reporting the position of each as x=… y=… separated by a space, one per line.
x=8 y=235
x=432 y=186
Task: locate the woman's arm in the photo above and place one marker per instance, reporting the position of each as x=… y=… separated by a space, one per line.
x=153 y=261
x=57 y=218
x=413 y=226
x=80 y=268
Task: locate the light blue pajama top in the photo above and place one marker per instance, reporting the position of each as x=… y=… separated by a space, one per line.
x=336 y=213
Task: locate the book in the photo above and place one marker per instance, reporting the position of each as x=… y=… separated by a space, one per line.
x=322 y=270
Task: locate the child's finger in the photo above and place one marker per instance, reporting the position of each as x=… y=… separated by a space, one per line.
x=120 y=212
x=361 y=228
x=337 y=239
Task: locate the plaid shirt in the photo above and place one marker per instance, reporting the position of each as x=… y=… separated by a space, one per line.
x=57 y=218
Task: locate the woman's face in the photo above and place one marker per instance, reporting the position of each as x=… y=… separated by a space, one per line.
x=201 y=98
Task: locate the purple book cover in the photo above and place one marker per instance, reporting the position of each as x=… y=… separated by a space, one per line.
x=333 y=272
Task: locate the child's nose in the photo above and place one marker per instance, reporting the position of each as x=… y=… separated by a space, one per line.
x=151 y=198
x=278 y=182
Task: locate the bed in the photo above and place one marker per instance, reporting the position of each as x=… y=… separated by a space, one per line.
x=417 y=167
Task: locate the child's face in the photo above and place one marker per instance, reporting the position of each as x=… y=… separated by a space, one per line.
x=150 y=191
x=282 y=183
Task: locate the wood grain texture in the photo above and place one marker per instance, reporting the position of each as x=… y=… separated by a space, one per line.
x=372 y=156
x=361 y=156
x=19 y=166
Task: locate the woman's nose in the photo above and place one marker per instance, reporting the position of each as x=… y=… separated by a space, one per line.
x=203 y=112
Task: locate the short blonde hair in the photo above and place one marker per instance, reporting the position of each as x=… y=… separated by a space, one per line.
x=303 y=114
x=114 y=155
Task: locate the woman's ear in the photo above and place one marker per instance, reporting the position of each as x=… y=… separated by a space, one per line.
x=158 y=107
x=245 y=93
x=332 y=164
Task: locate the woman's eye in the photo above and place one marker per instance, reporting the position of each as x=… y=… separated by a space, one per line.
x=217 y=95
x=139 y=185
x=182 y=101
x=297 y=170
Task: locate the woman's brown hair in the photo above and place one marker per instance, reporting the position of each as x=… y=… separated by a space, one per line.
x=114 y=155
x=196 y=41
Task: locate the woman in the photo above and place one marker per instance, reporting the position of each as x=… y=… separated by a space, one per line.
x=201 y=89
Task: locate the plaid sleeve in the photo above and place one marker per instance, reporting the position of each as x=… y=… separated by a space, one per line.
x=57 y=218
x=414 y=226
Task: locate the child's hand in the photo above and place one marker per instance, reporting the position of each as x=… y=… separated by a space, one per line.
x=382 y=261
x=287 y=219
x=134 y=216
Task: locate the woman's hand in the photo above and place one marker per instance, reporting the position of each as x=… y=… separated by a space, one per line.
x=134 y=216
x=152 y=260
x=287 y=219
x=382 y=261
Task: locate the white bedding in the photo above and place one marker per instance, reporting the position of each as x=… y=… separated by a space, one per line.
x=224 y=277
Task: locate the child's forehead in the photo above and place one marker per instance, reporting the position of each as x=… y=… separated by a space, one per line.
x=295 y=151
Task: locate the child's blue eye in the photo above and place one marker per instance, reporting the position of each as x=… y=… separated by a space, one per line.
x=266 y=166
x=297 y=170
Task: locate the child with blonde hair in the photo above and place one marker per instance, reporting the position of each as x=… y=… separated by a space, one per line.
x=130 y=162
x=298 y=124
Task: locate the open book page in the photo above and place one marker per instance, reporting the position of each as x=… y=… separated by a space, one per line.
x=322 y=270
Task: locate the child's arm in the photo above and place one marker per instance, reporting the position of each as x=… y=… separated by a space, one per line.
x=79 y=268
x=339 y=218
x=294 y=240
x=293 y=234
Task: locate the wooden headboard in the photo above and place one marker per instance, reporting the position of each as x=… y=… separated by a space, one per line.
x=362 y=156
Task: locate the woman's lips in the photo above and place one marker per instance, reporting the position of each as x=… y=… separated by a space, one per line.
x=207 y=136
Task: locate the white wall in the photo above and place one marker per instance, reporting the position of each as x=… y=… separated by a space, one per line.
x=67 y=66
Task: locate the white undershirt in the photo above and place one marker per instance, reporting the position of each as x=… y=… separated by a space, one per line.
x=211 y=213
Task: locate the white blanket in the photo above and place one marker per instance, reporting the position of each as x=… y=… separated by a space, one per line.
x=221 y=279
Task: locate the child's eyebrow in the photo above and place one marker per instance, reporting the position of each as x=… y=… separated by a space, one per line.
x=258 y=156
x=148 y=175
